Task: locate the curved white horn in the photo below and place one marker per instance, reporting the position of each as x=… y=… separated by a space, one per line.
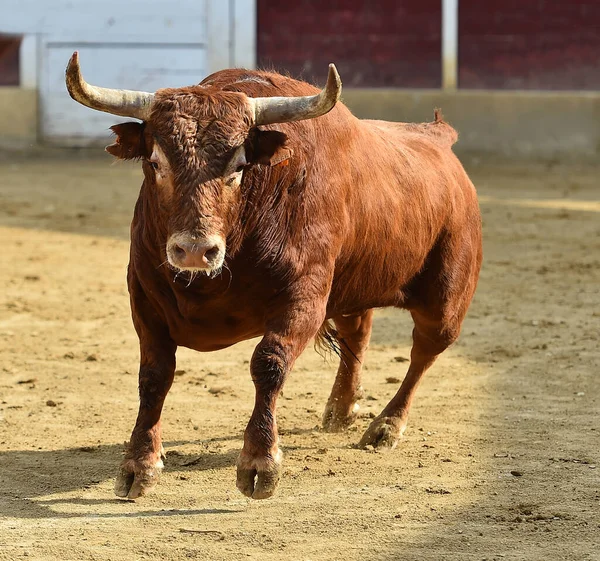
x=270 y=110
x=126 y=103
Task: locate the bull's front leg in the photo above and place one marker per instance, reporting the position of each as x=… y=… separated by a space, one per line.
x=260 y=461
x=140 y=469
x=142 y=465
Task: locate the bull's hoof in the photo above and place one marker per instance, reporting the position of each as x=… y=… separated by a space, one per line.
x=137 y=479
x=338 y=418
x=258 y=478
x=383 y=432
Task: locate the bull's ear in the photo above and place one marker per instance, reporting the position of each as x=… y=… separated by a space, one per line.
x=267 y=148
x=129 y=143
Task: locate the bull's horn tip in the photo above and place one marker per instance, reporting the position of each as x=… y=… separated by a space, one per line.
x=334 y=73
x=73 y=63
x=334 y=78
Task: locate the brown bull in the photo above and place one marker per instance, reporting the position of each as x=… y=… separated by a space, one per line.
x=262 y=216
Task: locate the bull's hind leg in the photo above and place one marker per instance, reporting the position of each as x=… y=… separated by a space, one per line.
x=438 y=305
x=342 y=406
x=430 y=338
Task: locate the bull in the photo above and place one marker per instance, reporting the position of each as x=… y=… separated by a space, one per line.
x=267 y=209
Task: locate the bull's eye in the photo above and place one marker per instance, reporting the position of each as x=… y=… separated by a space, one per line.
x=154 y=165
x=240 y=168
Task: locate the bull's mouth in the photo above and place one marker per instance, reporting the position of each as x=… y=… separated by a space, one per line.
x=188 y=276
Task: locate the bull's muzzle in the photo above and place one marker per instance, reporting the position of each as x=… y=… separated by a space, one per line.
x=188 y=253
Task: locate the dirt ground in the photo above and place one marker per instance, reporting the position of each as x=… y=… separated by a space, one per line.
x=500 y=460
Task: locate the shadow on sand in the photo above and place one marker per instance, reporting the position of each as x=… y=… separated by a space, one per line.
x=31 y=474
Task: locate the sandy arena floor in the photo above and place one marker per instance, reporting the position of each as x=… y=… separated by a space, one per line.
x=500 y=460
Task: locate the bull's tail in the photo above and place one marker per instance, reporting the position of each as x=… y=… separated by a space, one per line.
x=327 y=340
x=441 y=129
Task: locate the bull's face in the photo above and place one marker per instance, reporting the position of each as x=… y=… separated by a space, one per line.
x=201 y=205
x=194 y=163
x=196 y=144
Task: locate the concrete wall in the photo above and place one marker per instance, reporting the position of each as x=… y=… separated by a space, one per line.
x=18 y=118
x=541 y=125
x=538 y=125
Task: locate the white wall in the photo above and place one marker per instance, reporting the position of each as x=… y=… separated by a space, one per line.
x=130 y=44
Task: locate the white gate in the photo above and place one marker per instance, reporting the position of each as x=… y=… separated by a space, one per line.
x=130 y=44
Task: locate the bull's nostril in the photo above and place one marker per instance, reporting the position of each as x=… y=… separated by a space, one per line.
x=179 y=252
x=212 y=253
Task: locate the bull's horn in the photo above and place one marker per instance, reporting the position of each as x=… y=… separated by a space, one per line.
x=125 y=103
x=269 y=110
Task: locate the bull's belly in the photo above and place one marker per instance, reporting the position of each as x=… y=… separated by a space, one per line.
x=213 y=314
x=210 y=325
x=359 y=291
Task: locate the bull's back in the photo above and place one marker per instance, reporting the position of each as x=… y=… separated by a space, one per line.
x=438 y=131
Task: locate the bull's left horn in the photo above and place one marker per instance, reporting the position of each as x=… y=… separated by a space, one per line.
x=126 y=103
x=269 y=110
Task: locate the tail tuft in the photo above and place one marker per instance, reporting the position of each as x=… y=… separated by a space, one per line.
x=327 y=341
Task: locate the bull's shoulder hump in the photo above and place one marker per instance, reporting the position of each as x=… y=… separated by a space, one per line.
x=257 y=83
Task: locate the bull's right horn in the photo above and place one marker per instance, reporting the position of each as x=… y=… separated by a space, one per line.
x=126 y=103
x=270 y=110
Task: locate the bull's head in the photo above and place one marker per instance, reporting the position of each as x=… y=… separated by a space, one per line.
x=195 y=144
